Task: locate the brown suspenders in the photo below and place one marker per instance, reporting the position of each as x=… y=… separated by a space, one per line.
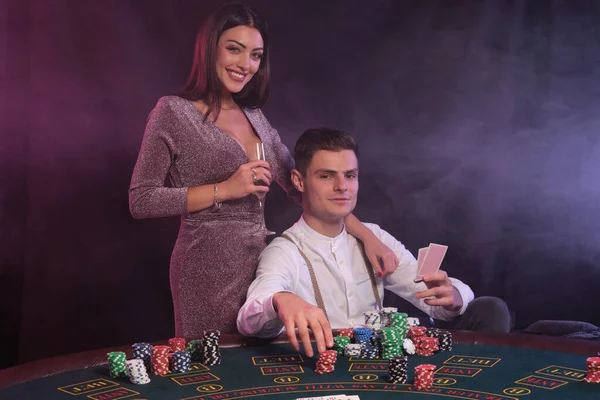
x=315 y=284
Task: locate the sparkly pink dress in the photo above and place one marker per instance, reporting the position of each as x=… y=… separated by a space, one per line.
x=216 y=253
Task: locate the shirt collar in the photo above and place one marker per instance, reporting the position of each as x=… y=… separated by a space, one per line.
x=316 y=237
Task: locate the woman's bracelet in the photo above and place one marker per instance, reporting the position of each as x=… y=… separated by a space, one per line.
x=215 y=202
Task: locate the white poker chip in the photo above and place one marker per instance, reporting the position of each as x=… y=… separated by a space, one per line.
x=409 y=346
x=412 y=321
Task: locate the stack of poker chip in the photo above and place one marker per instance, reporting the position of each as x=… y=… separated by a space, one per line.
x=391 y=343
x=373 y=320
x=433 y=332
x=593 y=370
x=426 y=345
x=160 y=360
x=369 y=352
x=326 y=362
x=181 y=361
x=353 y=350
x=400 y=322
x=416 y=331
x=117 y=364
x=349 y=332
x=445 y=339
x=177 y=344
x=143 y=351
x=412 y=321
x=385 y=315
x=398 y=369
x=138 y=375
x=377 y=340
x=194 y=347
x=211 y=355
x=424 y=376
x=362 y=335
x=340 y=342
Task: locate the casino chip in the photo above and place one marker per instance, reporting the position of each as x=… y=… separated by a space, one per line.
x=372 y=320
x=160 y=360
x=177 y=344
x=194 y=347
x=593 y=370
x=426 y=345
x=340 y=342
x=398 y=369
x=211 y=354
x=445 y=341
x=117 y=364
x=137 y=372
x=143 y=351
x=353 y=350
x=362 y=335
x=349 y=332
x=424 y=376
x=326 y=362
x=181 y=361
x=408 y=346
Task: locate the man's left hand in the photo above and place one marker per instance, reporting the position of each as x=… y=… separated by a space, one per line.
x=444 y=294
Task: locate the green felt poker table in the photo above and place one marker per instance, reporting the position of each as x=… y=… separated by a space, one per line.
x=480 y=366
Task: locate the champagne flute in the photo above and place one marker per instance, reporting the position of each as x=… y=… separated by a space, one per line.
x=257 y=152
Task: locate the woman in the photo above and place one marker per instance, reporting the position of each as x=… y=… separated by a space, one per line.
x=198 y=141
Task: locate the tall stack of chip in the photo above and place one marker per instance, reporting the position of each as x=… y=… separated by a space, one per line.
x=177 y=344
x=445 y=341
x=593 y=370
x=424 y=376
x=326 y=362
x=137 y=372
x=391 y=343
x=362 y=335
x=160 y=360
x=181 y=361
x=143 y=351
x=398 y=369
x=340 y=342
x=385 y=315
x=117 y=364
x=211 y=354
x=373 y=320
x=194 y=347
x=400 y=322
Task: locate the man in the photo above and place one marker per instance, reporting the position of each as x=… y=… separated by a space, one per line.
x=316 y=277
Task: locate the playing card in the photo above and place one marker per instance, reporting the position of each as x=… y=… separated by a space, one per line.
x=421 y=256
x=432 y=260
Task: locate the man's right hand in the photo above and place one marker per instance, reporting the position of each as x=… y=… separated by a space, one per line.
x=297 y=313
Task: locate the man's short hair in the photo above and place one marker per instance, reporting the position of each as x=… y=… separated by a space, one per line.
x=313 y=140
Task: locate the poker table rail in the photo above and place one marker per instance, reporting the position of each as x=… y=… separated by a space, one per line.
x=56 y=365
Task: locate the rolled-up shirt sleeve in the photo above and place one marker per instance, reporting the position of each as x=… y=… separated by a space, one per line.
x=277 y=272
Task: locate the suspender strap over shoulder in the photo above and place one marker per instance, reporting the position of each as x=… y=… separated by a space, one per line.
x=315 y=284
x=313 y=278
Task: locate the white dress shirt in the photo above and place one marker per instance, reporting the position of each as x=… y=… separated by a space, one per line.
x=342 y=277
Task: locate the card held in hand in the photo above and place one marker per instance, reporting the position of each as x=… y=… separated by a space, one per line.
x=429 y=260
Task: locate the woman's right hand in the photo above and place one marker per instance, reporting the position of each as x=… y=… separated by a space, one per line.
x=242 y=182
